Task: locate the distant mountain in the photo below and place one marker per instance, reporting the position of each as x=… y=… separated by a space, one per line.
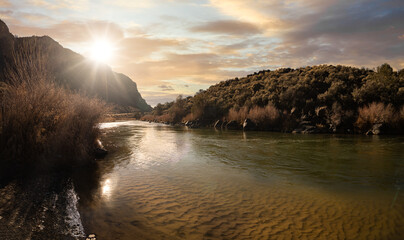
x=73 y=71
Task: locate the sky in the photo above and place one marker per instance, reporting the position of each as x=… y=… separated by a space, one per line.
x=173 y=47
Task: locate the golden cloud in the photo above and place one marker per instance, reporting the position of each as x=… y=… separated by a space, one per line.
x=231 y=27
x=5 y=3
x=60 y=4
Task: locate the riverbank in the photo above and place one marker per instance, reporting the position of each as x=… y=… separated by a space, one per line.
x=112 y=117
x=304 y=127
x=39 y=206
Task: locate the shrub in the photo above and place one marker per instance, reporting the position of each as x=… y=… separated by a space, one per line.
x=189 y=117
x=400 y=119
x=237 y=115
x=148 y=117
x=265 y=117
x=42 y=122
x=165 y=118
x=199 y=104
x=374 y=113
x=176 y=112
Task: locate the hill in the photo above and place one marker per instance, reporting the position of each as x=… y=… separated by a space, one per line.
x=72 y=70
x=322 y=98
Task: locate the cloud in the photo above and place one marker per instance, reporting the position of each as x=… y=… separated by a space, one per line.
x=203 y=66
x=202 y=69
x=251 y=45
x=5 y=3
x=361 y=33
x=131 y=4
x=60 y=4
x=136 y=48
x=230 y=27
x=6 y=16
x=72 y=31
x=358 y=34
x=166 y=88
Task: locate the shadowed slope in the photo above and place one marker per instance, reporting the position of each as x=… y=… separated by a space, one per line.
x=73 y=71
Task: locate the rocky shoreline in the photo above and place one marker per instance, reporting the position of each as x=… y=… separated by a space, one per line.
x=304 y=127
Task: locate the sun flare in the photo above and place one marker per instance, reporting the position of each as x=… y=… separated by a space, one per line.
x=102 y=51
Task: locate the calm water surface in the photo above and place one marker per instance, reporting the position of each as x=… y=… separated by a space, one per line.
x=162 y=182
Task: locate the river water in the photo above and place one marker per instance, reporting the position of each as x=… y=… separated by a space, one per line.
x=164 y=182
x=179 y=183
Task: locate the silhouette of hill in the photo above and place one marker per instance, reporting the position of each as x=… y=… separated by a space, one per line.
x=73 y=71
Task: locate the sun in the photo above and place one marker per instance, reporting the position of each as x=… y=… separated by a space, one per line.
x=102 y=51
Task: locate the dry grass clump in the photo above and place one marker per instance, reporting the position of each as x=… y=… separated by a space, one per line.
x=264 y=116
x=42 y=121
x=400 y=121
x=189 y=117
x=402 y=113
x=165 y=118
x=237 y=115
x=148 y=117
x=375 y=113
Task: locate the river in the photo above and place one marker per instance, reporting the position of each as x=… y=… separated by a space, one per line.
x=165 y=182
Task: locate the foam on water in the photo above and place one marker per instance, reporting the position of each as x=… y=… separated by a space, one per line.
x=72 y=218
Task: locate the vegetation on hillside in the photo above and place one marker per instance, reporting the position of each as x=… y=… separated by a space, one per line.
x=331 y=98
x=40 y=121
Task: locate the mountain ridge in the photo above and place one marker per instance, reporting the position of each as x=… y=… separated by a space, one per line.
x=73 y=71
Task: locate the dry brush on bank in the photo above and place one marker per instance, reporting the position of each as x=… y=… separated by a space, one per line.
x=379 y=113
x=42 y=122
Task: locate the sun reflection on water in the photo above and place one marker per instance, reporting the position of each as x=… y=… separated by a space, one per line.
x=158 y=148
x=107 y=188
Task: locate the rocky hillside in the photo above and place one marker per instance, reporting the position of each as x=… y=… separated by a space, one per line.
x=72 y=70
x=322 y=98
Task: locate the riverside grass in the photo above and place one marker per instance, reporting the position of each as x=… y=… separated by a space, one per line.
x=42 y=122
